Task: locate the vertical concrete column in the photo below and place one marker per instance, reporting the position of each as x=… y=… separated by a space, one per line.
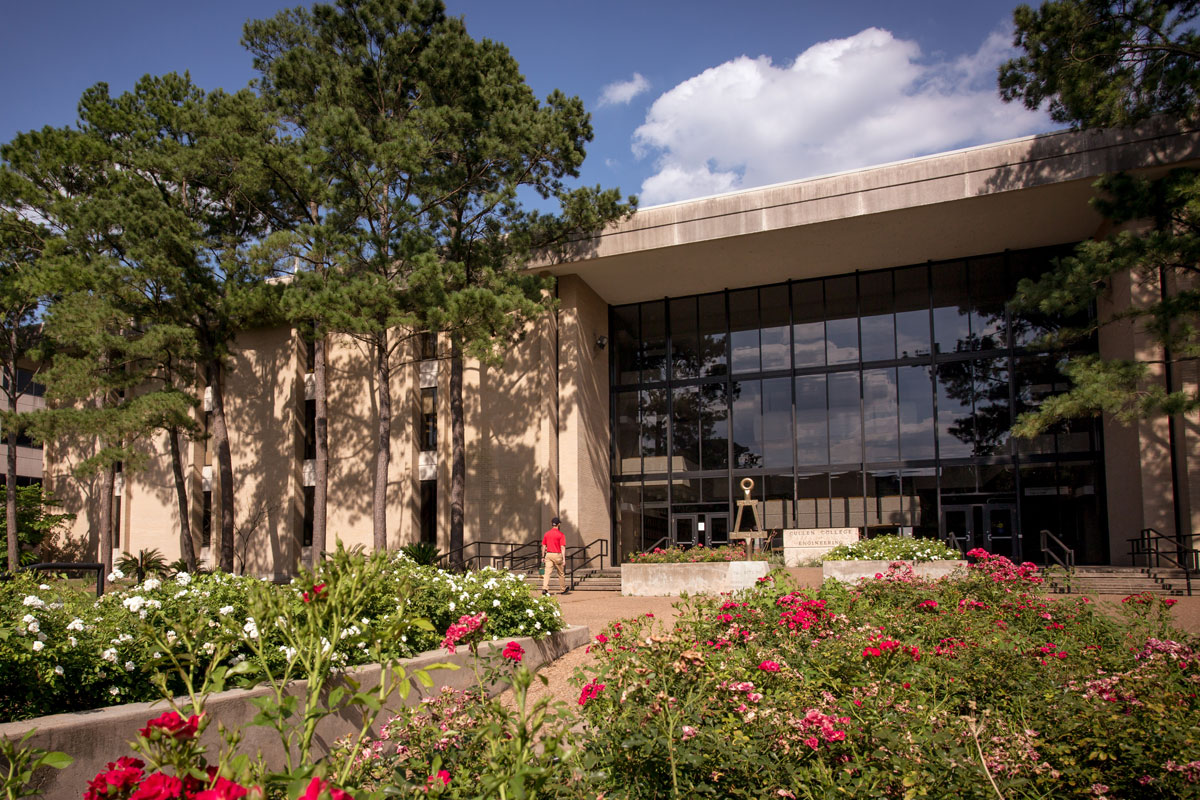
x=583 y=439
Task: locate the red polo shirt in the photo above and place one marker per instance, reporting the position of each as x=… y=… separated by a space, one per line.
x=554 y=540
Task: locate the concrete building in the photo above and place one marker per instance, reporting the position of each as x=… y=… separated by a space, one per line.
x=843 y=340
x=29 y=452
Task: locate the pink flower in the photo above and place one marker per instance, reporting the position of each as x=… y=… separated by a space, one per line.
x=688 y=732
x=871 y=652
x=172 y=725
x=513 y=652
x=313 y=593
x=442 y=775
x=590 y=692
x=1168 y=602
x=601 y=638
x=460 y=630
x=769 y=666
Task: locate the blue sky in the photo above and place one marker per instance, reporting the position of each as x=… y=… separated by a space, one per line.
x=687 y=98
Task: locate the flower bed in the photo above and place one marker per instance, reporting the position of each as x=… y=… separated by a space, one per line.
x=977 y=686
x=893 y=548
x=62 y=650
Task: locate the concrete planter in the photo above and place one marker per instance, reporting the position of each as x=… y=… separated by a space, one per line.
x=96 y=737
x=851 y=571
x=708 y=577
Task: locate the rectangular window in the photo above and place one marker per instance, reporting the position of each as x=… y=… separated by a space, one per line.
x=812 y=501
x=990 y=291
x=654 y=430
x=714 y=426
x=654 y=342
x=744 y=330
x=428 y=432
x=427 y=345
x=310 y=351
x=812 y=421
x=956 y=421
x=912 y=312
x=429 y=511
x=916 y=413
x=310 y=429
x=777 y=423
x=713 y=336
x=27 y=385
x=306 y=526
x=685 y=429
x=841 y=324
x=626 y=457
x=880 y=412
x=845 y=423
x=878 y=321
x=685 y=349
x=747 y=425
x=775 y=331
x=808 y=328
x=951 y=324
x=624 y=327
x=206 y=520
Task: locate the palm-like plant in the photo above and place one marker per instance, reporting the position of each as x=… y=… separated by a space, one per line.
x=424 y=553
x=146 y=562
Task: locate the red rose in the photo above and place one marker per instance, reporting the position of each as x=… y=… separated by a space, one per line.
x=313 y=593
x=222 y=790
x=173 y=725
x=120 y=775
x=159 y=786
x=318 y=788
x=513 y=652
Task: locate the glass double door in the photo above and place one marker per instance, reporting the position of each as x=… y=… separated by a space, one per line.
x=710 y=529
x=990 y=525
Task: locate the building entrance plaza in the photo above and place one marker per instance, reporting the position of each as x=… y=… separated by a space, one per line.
x=845 y=341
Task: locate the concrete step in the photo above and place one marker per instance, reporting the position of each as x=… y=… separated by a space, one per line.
x=599 y=580
x=1119 y=580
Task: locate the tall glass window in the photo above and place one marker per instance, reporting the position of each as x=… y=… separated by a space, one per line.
x=881 y=400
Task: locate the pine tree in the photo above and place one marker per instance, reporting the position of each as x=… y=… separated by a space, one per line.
x=1106 y=63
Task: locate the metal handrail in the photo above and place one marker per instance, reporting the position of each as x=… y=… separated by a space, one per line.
x=1068 y=559
x=664 y=540
x=67 y=566
x=479 y=559
x=1147 y=544
x=511 y=560
x=959 y=543
x=572 y=552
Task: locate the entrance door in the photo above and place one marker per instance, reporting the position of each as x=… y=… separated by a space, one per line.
x=683 y=532
x=716 y=530
x=987 y=525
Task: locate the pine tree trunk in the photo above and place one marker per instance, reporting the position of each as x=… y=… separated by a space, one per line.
x=108 y=479
x=220 y=434
x=10 y=498
x=321 y=488
x=458 y=461
x=383 y=445
x=187 y=548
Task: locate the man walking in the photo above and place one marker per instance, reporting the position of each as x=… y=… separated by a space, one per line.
x=554 y=542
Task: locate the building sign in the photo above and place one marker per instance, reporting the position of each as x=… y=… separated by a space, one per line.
x=803 y=544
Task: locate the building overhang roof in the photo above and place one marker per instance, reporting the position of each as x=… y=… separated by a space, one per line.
x=1016 y=194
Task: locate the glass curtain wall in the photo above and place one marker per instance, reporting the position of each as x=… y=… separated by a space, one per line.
x=879 y=400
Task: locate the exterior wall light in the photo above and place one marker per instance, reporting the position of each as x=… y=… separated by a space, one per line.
x=601 y=342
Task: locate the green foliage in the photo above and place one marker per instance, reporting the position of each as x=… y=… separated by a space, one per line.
x=18 y=763
x=1101 y=63
x=1106 y=63
x=893 y=548
x=976 y=686
x=62 y=650
x=689 y=555
x=34 y=521
x=423 y=553
x=146 y=562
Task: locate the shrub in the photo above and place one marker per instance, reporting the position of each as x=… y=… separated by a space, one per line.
x=699 y=553
x=893 y=548
x=62 y=650
x=976 y=686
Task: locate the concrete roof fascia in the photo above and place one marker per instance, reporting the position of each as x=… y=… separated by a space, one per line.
x=1011 y=166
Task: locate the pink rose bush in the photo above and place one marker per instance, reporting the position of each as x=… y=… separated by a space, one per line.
x=898 y=685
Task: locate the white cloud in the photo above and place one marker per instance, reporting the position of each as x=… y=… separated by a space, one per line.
x=621 y=92
x=841 y=104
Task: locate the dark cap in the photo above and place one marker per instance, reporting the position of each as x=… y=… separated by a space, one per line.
x=555 y=521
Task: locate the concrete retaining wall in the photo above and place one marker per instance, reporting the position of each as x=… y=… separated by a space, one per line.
x=709 y=577
x=851 y=571
x=96 y=737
